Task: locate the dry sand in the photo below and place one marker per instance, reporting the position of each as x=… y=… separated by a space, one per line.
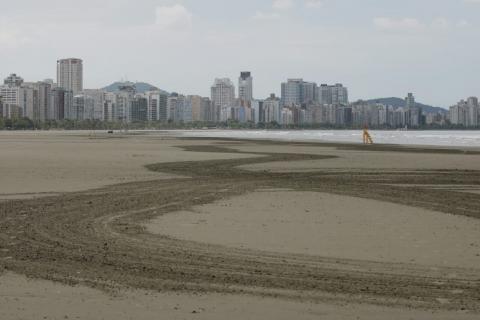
x=331 y=226
x=42 y=163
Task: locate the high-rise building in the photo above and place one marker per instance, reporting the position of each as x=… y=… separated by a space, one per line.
x=157 y=105
x=123 y=103
x=292 y=92
x=206 y=110
x=472 y=102
x=33 y=98
x=78 y=107
x=466 y=113
x=13 y=80
x=56 y=110
x=82 y=107
x=399 y=118
x=109 y=107
x=11 y=93
x=98 y=97
x=259 y=114
x=298 y=92
x=245 y=86
x=70 y=74
x=52 y=84
x=287 y=116
x=44 y=95
x=472 y=112
x=272 y=109
x=458 y=114
x=139 y=109
x=324 y=94
x=410 y=101
x=339 y=94
x=199 y=108
x=332 y=94
x=185 y=114
x=117 y=105
x=176 y=107
x=414 y=112
x=309 y=92
x=29 y=101
x=223 y=96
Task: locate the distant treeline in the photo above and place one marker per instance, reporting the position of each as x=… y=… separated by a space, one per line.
x=28 y=124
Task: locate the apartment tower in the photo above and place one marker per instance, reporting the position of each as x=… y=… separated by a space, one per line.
x=245 y=86
x=70 y=74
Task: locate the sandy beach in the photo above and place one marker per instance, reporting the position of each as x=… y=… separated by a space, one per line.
x=328 y=225
x=150 y=225
x=64 y=162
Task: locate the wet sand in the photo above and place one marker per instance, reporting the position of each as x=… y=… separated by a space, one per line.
x=349 y=158
x=22 y=298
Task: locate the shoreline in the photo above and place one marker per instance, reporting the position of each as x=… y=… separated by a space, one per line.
x=243 y=134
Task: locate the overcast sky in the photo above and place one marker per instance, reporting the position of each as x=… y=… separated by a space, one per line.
x=377 y=48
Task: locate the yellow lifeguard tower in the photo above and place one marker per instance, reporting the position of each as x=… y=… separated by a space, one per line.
x=367 y=138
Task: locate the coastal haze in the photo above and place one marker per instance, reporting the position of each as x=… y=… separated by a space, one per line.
x=274 y=159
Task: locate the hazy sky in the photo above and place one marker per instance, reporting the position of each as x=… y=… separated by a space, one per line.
x=375 y=47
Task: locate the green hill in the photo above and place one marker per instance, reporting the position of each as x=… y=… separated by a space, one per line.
x=140 y=87
x=400 y=103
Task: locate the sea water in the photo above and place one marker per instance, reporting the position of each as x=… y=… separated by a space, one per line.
x=428 y=138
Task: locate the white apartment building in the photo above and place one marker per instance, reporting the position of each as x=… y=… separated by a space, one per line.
x=175 y=107
x=118 y=105
x=36 y=98
x=258 y=114
x=287 y=116
x=10 y=95
x=272 y=110
x=82 y=108
x=222 y=96
x=70 y=74
x=466 y=113
x=29 y=101
x=157 y=105
x=98 y=97
x=223 y=92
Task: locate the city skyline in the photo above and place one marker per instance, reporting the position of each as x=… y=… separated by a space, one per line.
x=302 y=103
x=377 y=49
x=72 y=80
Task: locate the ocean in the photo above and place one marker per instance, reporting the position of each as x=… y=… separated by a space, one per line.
x=445 y=138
